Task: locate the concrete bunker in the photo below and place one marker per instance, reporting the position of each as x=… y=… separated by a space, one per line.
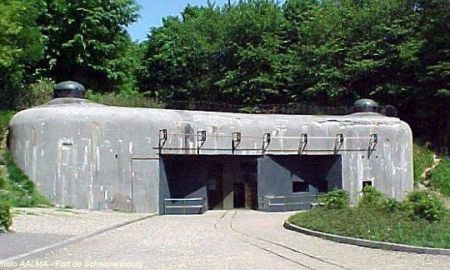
x=88 y=155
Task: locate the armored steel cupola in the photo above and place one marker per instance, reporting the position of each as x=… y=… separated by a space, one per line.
x=365 y=105
x=68 y=89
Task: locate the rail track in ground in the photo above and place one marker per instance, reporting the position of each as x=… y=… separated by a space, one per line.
x=305 y=260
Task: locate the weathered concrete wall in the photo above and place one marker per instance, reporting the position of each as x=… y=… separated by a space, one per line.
x=92 y=156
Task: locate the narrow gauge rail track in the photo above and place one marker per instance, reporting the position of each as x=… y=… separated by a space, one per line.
x=225 y=224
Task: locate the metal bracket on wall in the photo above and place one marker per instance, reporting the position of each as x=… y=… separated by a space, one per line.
x=236 y=140
x=162 y=139
x=303 y=143
x=339 y=142
x=266 y=142
x=372 y=143
x=201 y=139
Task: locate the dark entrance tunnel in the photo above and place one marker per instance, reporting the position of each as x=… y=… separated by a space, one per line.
x=294 y=182
x=225 y=181
x=236 y=181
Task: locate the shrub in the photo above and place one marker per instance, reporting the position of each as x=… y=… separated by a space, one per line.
x=2 y=182
x=374 y=199
x=390 y=205
x=423 y=158
x=5 y=216
x=424 y=205
x=440 y=177
x=123 y=99
x=5 y=117
x=36 y=94
x=371 y=198
x=336 y=199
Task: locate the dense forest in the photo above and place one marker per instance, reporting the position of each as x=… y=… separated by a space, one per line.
x=323 y=52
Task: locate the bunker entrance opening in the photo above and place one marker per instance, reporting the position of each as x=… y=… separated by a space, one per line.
x=195 y=183
x=291 y=182
x=225 y=182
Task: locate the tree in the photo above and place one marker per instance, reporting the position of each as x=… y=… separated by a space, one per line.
x=217 y=54
x=87 y=41
x=20 y=47
x=432 y=98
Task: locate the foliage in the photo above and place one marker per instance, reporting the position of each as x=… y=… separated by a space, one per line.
x=440 y=177
x=423 y=159
x=87 y=41
x=65 y=40
x=2 y=183
x=371 y=198
x=420 y=220
x=20 y=191
x=326 y=52
x=251 y=52
x=336 y=199
x=424 y=205
x=15 y=187
x=123 y=99
x=367 y=223
x=374 y=199
x=214 y=53
x=20 y=47
x=5 y=217
x=38 y=93
x=5 y=117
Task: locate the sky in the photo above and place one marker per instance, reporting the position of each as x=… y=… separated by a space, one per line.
x=153 y=11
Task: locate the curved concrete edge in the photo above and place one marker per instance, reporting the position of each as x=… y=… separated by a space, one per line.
x=367 y=243
x=46 y=249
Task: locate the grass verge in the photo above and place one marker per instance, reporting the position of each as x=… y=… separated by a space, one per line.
x=19 y=191
x=440 y=177
x=423 y=159
x=377 y=225
x=16 y=189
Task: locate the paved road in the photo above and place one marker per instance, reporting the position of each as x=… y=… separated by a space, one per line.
x=224 y=240
x=34 y=228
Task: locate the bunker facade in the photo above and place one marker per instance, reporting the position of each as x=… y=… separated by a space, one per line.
x=87 y=155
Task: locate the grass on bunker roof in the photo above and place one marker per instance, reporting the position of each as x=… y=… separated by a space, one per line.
x=376 y=225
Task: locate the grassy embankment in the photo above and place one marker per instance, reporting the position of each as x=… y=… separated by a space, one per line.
x=393 y=222
x=377 y=225
x=438 y=178
x=16 y=190
x=420 y=220
x=423 y=159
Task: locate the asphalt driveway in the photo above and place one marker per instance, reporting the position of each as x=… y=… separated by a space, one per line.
x=237 y=239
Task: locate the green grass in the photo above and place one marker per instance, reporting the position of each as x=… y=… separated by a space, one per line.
x=377 y=225
x=5 y=117
x=123 y=100
x=440 y=177
x=16 y=189
x=19 y=191
x=423 y=158
x=5 y=217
